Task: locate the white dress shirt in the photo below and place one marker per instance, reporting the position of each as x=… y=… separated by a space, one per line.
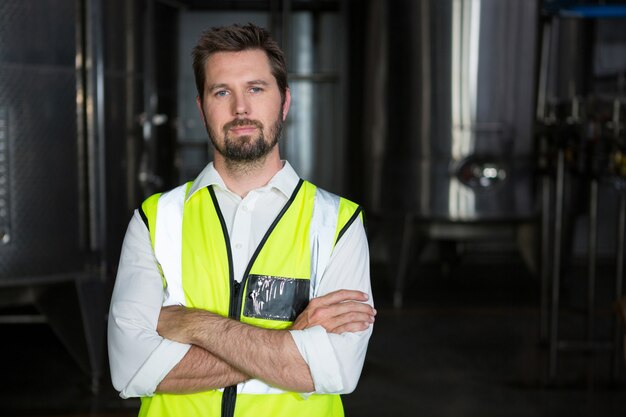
x=140 y=358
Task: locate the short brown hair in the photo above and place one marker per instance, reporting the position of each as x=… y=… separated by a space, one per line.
x=236 y=38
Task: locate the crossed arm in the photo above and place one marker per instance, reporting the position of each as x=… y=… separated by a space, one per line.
x=225 y=352
x=144 y=362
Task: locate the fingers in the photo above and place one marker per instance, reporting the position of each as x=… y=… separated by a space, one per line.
x=351 y=327
x=330 y=311
x=338 y=315
x=352 y=321
x=341 y=310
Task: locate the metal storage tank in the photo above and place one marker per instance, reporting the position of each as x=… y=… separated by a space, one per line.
x=454 y=155
x=52 y=228
x=39 y=159
x=460 y=96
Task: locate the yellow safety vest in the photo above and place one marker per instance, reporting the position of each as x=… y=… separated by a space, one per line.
x=191 y=244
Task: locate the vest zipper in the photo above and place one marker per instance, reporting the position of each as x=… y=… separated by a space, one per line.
x=229 y=396
x=233 y=313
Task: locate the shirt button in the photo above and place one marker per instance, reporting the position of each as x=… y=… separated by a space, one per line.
x=245 y=208
x=238 y=246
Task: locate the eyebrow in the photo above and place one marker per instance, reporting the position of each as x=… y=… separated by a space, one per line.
x=216 y=86
x=257 y=82
x=223 y=85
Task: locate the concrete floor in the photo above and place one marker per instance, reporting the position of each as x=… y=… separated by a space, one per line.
x=465 y=344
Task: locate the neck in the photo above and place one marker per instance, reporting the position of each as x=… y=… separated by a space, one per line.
x=243 y=177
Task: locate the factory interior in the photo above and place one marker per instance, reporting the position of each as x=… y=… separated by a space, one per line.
x=484 y=139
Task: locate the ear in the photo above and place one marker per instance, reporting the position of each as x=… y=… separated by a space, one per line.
x=287 y=103
x=201 y=110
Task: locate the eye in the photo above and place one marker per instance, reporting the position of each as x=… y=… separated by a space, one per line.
x=256 y=90
x=221 y=93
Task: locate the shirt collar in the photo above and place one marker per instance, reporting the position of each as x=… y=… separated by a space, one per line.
x=284 y=181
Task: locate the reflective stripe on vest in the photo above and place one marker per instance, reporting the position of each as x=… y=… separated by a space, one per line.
x=191 y=244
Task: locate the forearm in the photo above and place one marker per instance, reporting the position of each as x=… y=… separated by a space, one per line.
x=200 y=371
x=268 y=355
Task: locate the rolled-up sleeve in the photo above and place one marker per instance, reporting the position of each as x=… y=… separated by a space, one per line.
x=139 y=358
x=336 y=360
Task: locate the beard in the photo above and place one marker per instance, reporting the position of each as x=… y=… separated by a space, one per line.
x=246 y=148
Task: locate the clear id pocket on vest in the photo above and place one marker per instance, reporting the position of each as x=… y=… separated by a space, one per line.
x=275 y=298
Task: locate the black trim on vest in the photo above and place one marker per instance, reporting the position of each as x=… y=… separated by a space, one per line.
x=349 y=223
x=144 y=217
x=229 y=396
x=231 y=278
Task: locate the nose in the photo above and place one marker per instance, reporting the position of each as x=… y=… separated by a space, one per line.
x=240 y=104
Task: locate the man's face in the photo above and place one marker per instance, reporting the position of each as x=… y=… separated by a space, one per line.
x=242 y=105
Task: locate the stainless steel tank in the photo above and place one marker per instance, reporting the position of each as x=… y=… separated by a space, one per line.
x=460 y=100
x=48 y=181
x=39 y=168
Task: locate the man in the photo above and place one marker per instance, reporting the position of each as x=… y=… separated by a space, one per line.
x=247 y=291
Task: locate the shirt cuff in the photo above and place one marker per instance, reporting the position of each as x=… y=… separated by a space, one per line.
x=317 y=351
x=155 y=368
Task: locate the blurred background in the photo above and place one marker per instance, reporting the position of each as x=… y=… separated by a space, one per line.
x=484 y=138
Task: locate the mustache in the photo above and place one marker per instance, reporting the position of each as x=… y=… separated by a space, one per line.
x=242 y=122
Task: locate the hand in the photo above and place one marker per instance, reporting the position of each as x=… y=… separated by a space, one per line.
x=338 y=312
x=177 y=323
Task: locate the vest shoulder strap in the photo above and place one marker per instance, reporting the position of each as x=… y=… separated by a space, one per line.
x=322 y=232
x=164 y=214
x=332 y=216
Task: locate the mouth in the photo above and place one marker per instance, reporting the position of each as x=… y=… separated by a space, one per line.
x=243 y=127
x=243 y=130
